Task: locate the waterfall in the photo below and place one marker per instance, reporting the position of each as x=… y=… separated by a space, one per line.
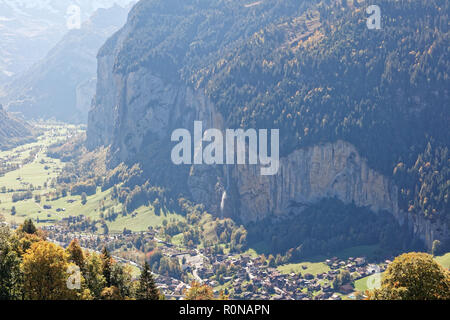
x=225 y=195
x=222 y=203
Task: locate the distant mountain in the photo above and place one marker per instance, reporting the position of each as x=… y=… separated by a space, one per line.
x=13 y=131
x=28 y=29
x=62 y=84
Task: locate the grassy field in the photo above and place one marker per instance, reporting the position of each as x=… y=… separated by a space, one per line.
x=363 y=284
x=40 y=173
x=313 y=268
x=444 y=260
x=144 y=219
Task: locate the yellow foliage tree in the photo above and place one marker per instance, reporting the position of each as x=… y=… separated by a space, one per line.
x=76 y=254
x=199 y=292
x=111 y=293
x=44 y=268
x=414 y=276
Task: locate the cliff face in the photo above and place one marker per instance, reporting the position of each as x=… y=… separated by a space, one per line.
x=308 y=175
x=130 y=112
x=144 y=93
x=139 y=110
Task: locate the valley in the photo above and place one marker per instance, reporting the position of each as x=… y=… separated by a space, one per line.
x=97 y=221
x=97 y=177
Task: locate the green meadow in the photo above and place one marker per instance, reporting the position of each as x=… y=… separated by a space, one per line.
x=39 y=174
x=313 y=268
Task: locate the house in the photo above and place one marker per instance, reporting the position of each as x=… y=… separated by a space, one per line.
x=180 y=289
x=327 y=288
x=346 y=289
x=309 y=276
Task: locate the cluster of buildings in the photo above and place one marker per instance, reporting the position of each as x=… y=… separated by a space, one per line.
x=246 y=278
x=254 y=280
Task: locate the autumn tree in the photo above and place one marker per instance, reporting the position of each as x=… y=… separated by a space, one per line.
x=111 y=293
x=28 y=234
x=414 y=276
x=76 y=254
x=199 y=292
x=147 y=289
x=45 y=275
x=27 y=240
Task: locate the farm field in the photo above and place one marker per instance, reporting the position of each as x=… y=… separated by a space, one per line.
x=39 y=174
x=313 y=268
x=444 y=260
x=374 y=282
x=29 y=170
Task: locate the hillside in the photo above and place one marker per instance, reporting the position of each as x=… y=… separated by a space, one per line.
x=363 y=113
x=13 y=131
x=62 y=84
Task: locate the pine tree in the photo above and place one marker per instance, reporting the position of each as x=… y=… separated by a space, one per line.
x=106 y=266
x=83 y=198
x=147 y=289
x=29 y=227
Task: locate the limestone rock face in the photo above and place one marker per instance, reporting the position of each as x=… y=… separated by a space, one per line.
x=308 y=175
x=135 y=114
x=138 y=109
x=84 y=93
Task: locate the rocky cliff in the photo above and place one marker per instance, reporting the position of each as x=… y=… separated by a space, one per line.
x=140 y=109
x=144 y=92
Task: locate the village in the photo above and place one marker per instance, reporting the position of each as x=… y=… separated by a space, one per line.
x=239 y=276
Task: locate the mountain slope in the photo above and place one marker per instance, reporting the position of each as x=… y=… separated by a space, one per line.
x=353 y=105
x=13 y=131
x=63 y=84
x=29 y=29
